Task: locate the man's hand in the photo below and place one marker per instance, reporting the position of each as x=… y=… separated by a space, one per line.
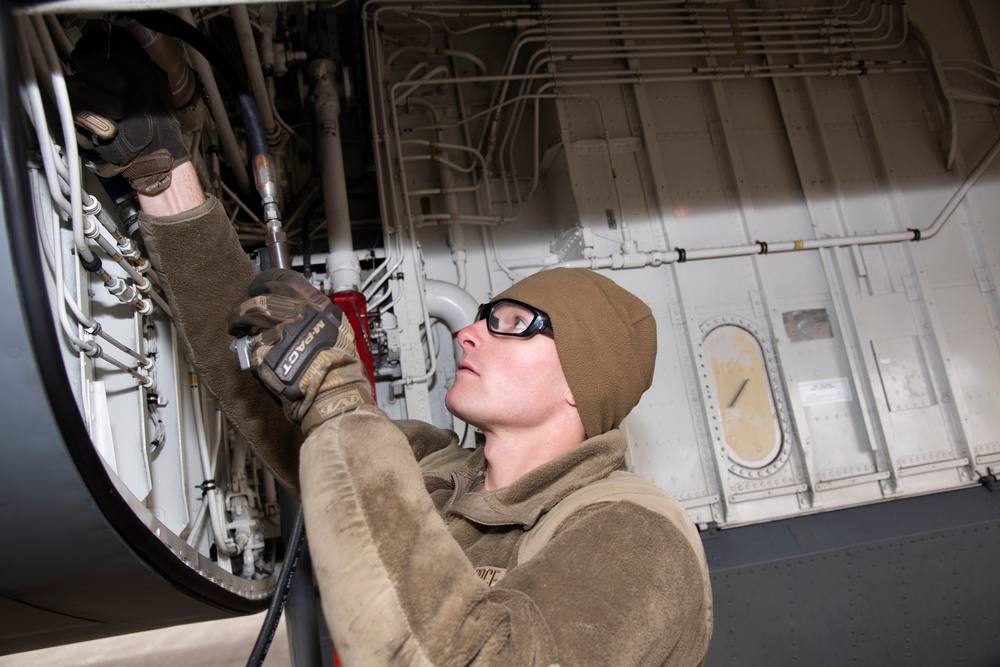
x=302 y=348
x=120 y=98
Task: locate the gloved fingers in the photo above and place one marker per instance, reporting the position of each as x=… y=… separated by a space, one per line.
x=99 y=100
x=122 y=99
x=329 y=368
x=96 y=93
x=345 y=336
x=261 y=344
x=301 y=348
x=335 y=348
x=272 y=281
x=265 y=341
x=263 y=312
x=288 y=283
x=271 y=383
x=296 y=397
x=95 y=71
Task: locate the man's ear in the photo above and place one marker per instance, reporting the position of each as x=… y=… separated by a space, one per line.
x=570 y=398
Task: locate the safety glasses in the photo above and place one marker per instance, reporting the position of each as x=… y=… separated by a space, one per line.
x=507 y=317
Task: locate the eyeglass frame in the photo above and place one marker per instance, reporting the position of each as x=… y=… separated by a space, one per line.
x=541 y=323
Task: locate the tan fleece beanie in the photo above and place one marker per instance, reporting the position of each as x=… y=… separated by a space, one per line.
x=605 y=336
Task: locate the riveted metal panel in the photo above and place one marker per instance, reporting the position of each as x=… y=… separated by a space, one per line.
x=873 y=586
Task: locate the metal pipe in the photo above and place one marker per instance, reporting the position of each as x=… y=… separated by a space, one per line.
x=68 y=129
x=477 y=61
x=227 y=138
x=90 y=326
x=36 y=114
x=959 y=195
x=216 y=510
x=679 y=255
x=342 y=264
x=451 y=304
x=456 y=234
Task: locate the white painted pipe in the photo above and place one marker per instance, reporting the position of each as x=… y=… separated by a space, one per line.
x=68 y=128
x=342 y=264
x=216 y=506
x=451 y=304
x=227 y=138
x=957 y=198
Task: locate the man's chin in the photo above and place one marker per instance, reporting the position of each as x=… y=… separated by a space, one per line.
x=454 y=406
x=450 y=404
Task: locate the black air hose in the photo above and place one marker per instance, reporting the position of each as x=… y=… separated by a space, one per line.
x=270 y=625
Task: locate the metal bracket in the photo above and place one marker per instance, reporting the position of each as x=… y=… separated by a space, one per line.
x=573 y=244
x=940 y=84
x=984 y=280
x=991 y=481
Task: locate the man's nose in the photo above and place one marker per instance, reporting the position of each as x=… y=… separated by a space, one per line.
x=472 y=335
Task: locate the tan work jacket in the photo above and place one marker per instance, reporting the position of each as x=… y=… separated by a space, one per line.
x=412 y=567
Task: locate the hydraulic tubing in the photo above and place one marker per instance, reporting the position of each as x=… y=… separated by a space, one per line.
x=255 y=73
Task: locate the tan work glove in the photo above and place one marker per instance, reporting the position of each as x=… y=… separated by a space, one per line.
x=122 y=102
x=302 y=348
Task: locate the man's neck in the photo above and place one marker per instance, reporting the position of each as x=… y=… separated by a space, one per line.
x=512 y=453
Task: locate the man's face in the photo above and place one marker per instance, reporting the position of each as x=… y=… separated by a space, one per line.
x=505 y=382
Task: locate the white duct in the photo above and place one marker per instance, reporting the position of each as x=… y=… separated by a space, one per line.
x=451 y=304
x=342 y=264
x=456 y=309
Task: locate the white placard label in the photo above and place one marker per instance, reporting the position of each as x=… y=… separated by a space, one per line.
x=834 y=390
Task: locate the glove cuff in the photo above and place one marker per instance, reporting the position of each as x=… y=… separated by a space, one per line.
x=329 y=404
x=150 y=174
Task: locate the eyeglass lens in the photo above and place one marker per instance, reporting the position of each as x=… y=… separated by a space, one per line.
x=510 y=318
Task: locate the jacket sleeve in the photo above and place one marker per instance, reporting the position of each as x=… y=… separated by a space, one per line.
x=204 y=274
x=426 y=439
x=397 y=589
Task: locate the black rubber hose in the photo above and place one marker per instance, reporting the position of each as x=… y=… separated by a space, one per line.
x=254 y=125
x=270 y=625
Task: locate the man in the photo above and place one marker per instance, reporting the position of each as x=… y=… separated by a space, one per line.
x=531 y=550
